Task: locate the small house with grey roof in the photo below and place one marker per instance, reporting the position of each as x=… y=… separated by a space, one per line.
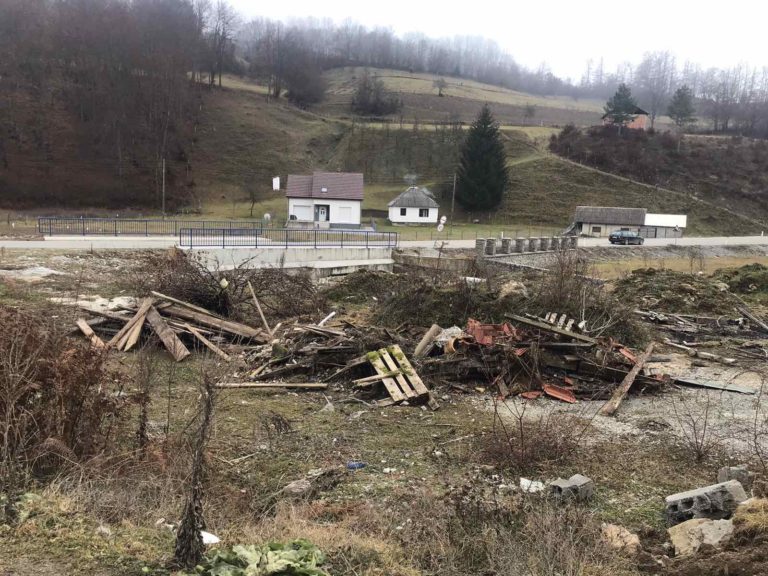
x=601 y=221
x=414 y=206
x=325 y=199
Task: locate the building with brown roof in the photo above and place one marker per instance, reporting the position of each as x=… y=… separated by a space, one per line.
x=325 y=198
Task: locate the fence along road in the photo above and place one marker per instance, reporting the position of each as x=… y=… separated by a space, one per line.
x=63 y=226
x=284 y=238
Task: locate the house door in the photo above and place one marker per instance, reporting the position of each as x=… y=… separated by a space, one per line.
x=322 y=212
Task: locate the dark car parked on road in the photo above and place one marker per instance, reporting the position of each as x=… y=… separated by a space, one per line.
x=625 y=237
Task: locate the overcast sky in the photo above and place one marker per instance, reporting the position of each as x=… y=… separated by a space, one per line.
x=563 y=33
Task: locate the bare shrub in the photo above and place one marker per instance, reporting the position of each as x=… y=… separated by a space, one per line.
x=759 y=432
x=695 y=421
x=189 y=542
x=54 y=401
x=187 y=276
x=527 y=443
x=571 y=288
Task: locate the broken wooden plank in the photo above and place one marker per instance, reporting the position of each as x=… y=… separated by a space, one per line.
x=714 y=385
x=426 y=342
x=610 y=407
x=129 y=340
x=261 y=313
x=96 y=342
x=167 y=336
x=146 y=304
x=218 y=324
x=744 y=311
x=371 y=380
x=550 y=328
x=207 y=343
x=173 y=300
x=303 y=385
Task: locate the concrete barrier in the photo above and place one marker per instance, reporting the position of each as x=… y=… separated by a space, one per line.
x=520 y=245
x=506 y=245
x=533 y=244
x=490 y=246
x=554 y=243
x=544 y=243
x=480 y=247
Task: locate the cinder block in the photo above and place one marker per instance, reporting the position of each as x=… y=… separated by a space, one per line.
x=520 y=245
x=716 y=502
x=544 y=243
x=506 y=245
x=577 y=487
x=533 y=244
x=490 y=246
x=555 y=243
x=739 y=473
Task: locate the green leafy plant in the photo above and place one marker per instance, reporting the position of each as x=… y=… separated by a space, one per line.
x=297 y=558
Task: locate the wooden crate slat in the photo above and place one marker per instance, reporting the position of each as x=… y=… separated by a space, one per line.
x=408 y=370
x=400 y=379
x=389 y=383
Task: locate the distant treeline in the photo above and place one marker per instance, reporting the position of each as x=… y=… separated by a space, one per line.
x=116 y=75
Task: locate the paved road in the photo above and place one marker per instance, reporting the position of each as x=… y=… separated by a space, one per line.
x=154 y=242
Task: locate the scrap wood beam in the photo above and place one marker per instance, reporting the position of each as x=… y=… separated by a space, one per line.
x=551 y=328
x=304 y=385
x=85 y=328
x=207 y=343
x=610 y=407
x=167 y=335
x=146 y=304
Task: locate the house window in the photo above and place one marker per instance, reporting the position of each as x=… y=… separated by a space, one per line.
x=596 y=229
x=403 y=211
x=423 y=212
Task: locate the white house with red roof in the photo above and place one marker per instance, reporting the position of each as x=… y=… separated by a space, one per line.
x=325 y=199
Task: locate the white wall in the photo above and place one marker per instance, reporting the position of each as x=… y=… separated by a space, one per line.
x=341 y=211
x=411 y=216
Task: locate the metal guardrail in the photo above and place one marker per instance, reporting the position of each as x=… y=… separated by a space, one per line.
x=284 y=238
x=58 y=226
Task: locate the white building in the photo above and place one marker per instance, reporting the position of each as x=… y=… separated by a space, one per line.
x=414 y=206
x=601 y=221
x=325 y=199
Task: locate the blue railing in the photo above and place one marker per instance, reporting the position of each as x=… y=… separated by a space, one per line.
x=63 y=226
x=283 y=238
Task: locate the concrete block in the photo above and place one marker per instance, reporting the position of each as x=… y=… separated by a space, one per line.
x=554 y=243
x=480 y=246
x=506 y=245
x=533 y=244
x=715 y=502
x=521 y=245
x=577 y=487
x=691 y=535
x=490 y=246
x=739 y=473
x=544 y=243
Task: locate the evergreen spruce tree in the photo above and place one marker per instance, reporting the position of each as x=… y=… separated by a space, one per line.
x=482 y=174
x=681 y=108
x=620 y=107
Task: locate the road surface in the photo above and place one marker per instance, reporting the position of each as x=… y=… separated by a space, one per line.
x=159 y=242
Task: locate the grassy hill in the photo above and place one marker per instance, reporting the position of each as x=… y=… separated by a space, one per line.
x=461 y=100
x=240 y=139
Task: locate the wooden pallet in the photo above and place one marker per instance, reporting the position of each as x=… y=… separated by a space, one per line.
x=399 y=377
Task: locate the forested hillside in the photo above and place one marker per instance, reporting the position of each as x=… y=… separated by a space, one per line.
x=729 y=171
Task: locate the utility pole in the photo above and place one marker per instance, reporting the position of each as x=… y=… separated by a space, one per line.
x=163 y=188
x=453 y=199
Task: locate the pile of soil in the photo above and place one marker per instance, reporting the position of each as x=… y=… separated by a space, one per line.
x=749 y=279
x=675 y=292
